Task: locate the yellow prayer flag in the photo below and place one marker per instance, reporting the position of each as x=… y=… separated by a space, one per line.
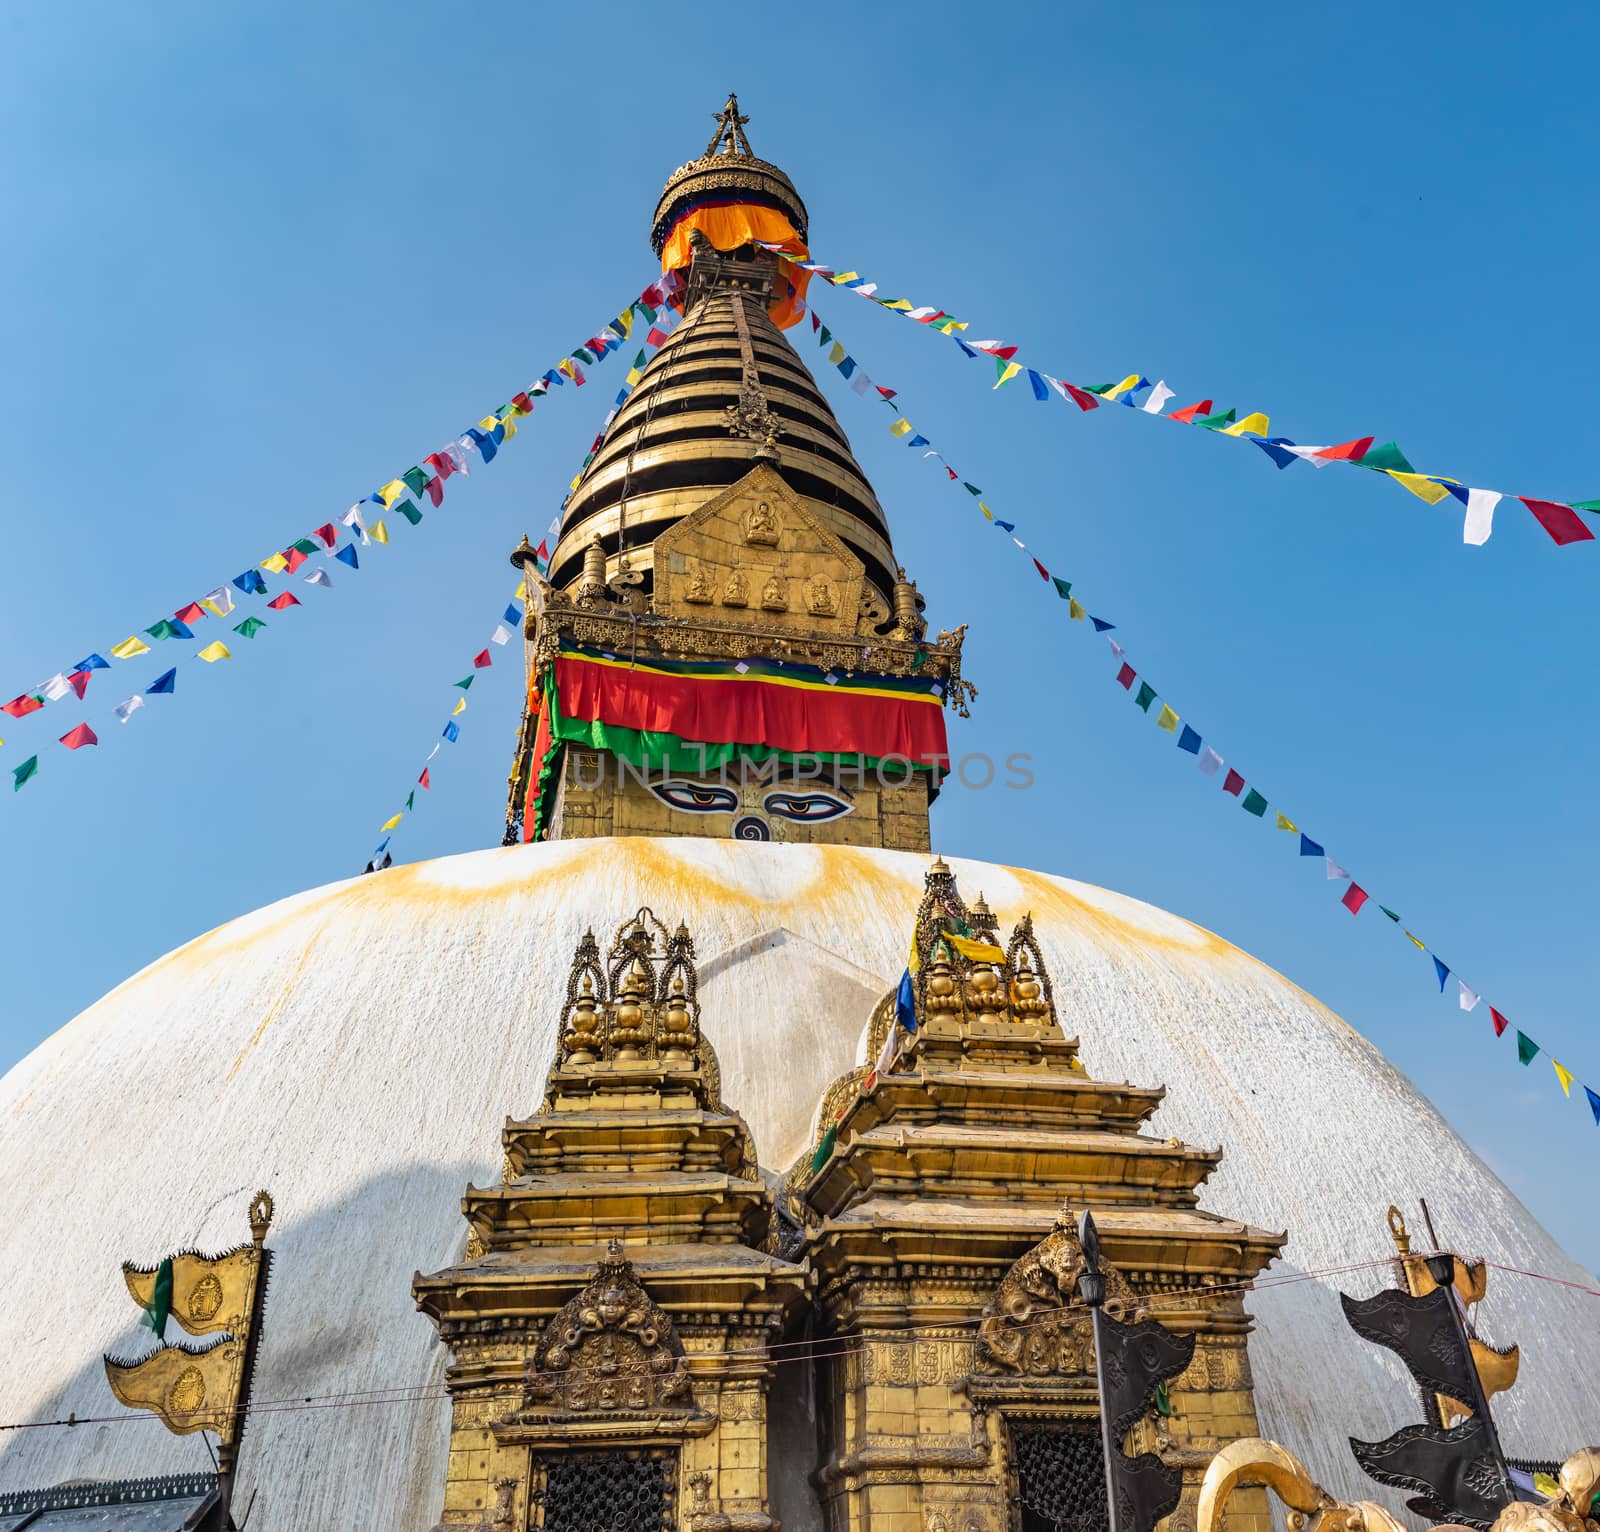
x=129 y=647
x=391 y=492
x=460 y=707
x=625 y=319
x=276 y=564
x=894 y=303
x=1420 y=485
x=1420 y=946
x=1564 y=1075
x=389 y=824
x=489 y=422
x=213 y=606
x=914 y=962
x=634 y=375
x=380 y=533
x=1011 y=370
x=1131 y=381
x=950 y=326
x=214 y=652
x=1286 y=823
x=1168 y=720
x=845 y=276
x=1256 y=424
x=987 y=513
x=1074 y=609
x=837 y=354
x=901 y=427
x=1546 y=1485
x=973 y=951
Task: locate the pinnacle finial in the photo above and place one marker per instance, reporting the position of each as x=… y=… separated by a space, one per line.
x=730 y=135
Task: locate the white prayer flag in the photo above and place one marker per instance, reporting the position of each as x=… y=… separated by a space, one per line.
x=1158 y=399
x=1335 y=870
x=1480 y=516
x=433 y=752
x=1468 y=997
x=55 y=688
x=891 y=1046
x=457 y=453
x=860 y=383
x=1308 y=454
x=1210 y=762
x=352 y=519
x=501 y=634
x=219 y=600
x=1117 y=649
x=126 y=710
x=318 y=577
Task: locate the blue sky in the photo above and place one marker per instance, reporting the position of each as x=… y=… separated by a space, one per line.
x=258 y=263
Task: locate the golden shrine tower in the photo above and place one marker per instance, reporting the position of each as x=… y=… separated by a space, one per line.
x=651 y=1330
x=724 y=643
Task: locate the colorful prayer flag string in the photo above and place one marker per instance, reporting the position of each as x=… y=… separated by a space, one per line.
x=1210 y=762
x=1559 y=519
x=362 y=522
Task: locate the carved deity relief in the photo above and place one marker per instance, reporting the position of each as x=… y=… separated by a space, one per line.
x=820 y=600
x=774 y=598
x=761 y=525
x=608 y=1350
x=1033 y=1326
x=697 y=589
x=737 y=591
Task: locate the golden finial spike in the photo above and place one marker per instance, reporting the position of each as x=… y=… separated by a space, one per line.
x=729 y=137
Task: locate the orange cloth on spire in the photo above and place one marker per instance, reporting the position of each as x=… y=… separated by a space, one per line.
x=732 y=224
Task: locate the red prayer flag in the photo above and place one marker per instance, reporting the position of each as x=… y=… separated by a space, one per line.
x=1081 y=398
x=1563 y=523
x=327 y=533
x=953 y=474
x=1188 y=416
x=1233 y=783
x=1500 y=1023
x=423 y=779
x=1126 y=676
x=191 y=613
x=286 y=600
x=440 y=463
x=79 y=737
x=79 y=682
x=1354 y=897
x=481 y=660
x=1044 y=574
x=435 y=489
x=20 y=707
x=523 y=403
x=888 y=393
x=1347 y=452
x=655 y=337
x=295 y=558
x=1005 y=353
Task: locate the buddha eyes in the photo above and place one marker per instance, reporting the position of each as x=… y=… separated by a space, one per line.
x=806 y=808
x=695 y=797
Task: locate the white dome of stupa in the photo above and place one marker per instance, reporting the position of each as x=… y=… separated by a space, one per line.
x=356 y=1049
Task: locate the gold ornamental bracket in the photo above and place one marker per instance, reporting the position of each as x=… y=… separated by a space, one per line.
x=200 y=1388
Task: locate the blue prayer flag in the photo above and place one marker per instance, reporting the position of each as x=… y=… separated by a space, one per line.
x=1444 y=973
x=1005 y=526
x=94 y=662
x=179 y=629
x=1309 y=847
x=451 y=732
x=512 y=615
x=919 y=440
x=1273 y=447
x=847 y=366
x=250 y=583
x=484 y=444
x=964 y=346
x=1101 y=625
x=347 y=555
x=1189 y=741
x=1460 y=491
x=1594 y=1103
x=1039 y=390
x=905 y=1004
x=163 y=683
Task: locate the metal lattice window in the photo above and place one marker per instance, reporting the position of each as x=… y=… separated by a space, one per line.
x=1061 y=1478
x=605 y=1492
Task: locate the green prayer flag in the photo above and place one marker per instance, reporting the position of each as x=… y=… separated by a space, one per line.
x=1217 y=422
x=1586 y=505
x=1163 y=1400
x=640 y=360
x=1147 y=695
x=162 y=629
x=1390 y=913
x=20 y=774
x=971 y=489
x=465 y=684
x=249 y=627
x=1098 y=388
x=824 y=335
x=160 y=1305
x=583 y=355
x=305 y=545
x=824 y=1149
x=645 y=309
x=408 y=509
x=918 y=659
x=1387 y=456
x=1254 y=803
x=415 y=478
x=1526 y=1048
x=409 y=796
x=1063 y=587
